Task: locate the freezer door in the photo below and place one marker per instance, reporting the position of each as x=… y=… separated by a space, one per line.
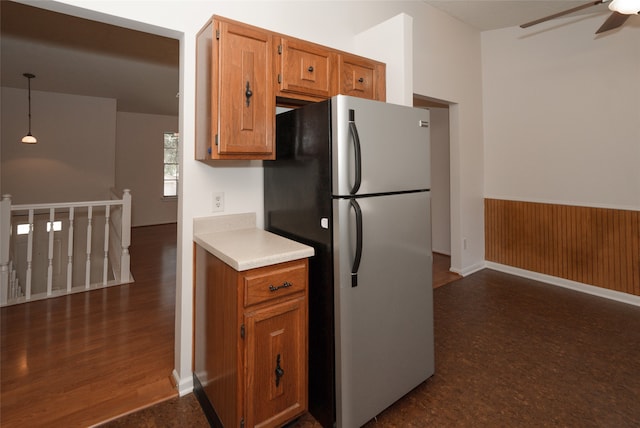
x=378 y=147
x=384 y=319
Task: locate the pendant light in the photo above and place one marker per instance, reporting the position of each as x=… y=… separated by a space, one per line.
x=29 y=139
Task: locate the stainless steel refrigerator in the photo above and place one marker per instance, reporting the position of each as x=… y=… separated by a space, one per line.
x=351 y=178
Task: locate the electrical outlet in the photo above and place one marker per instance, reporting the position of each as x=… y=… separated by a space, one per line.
x=218 y=202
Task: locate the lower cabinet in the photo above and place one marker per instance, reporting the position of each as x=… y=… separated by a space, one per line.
x=250 y=342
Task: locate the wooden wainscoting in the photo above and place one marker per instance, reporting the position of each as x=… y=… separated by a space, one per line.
x=596 y=246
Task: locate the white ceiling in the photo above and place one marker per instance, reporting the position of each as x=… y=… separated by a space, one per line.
x=140 y=70
x=494 y=14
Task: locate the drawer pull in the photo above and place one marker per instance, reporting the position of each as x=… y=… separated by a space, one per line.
x=361 y=80
x=285 y=284
x=310 y=69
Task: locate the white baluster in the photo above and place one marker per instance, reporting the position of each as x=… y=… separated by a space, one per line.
x=50 y=254
x=70 y=252
x=29 y=256
x=5 y=237
x=105 y=265
x=87 y=273
x=14 y=284
x=125 y=237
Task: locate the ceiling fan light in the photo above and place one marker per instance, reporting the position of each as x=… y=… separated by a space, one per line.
x=625 y=7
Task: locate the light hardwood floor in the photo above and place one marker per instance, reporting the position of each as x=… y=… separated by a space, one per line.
x=83 y=359
x=441 y=273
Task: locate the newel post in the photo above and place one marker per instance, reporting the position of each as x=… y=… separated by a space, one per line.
x=5 y=238
x=126 y=236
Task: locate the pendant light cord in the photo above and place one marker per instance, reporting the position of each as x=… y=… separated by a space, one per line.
x=29 y=98
x=29 y=138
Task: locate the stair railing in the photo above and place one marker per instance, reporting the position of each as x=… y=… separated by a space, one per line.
x=116 y=239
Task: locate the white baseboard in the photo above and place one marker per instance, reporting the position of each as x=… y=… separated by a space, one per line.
x=573 y=285
x=469 y=270
x=185 y=386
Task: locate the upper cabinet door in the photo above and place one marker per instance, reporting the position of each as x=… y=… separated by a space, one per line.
x=362 y=77
x=305 y=69
x=246 y=102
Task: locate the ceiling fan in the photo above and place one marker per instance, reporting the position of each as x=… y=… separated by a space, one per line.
x=621 y=11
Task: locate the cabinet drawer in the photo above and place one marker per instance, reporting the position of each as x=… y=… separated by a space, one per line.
x=265 y=284
x=362 y=77
x=356 y=80
x=305 y=68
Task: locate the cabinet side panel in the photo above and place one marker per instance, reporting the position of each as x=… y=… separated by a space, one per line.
x=380 y=89
x=218 y=337
x=204 y=46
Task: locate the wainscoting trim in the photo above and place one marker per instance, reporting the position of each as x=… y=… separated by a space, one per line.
x=587 y=245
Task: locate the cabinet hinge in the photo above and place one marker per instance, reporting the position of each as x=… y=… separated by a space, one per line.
x=215 y=139
x=279 y=49
x=279 y=78
x=217 y=34
x=242 y=331
x=242 y=423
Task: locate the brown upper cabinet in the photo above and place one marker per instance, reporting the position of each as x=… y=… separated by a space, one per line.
x=235 y=103
x=242 y=72
x=305 y=70
x=361 y=77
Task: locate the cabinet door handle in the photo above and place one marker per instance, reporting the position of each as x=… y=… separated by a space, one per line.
x=248 y=93
x=279 y=372
x=310 y=69
x=361 y=79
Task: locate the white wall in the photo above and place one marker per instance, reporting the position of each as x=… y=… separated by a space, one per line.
x=562 y=113
x=446 y=57
x=138 y=166
x=74 y=157
x=447 y=67
x=397 y=32
x=440 y=181
x=84 y=148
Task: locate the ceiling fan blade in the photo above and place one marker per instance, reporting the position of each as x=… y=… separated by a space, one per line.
x=566 y=12
x=614 y=20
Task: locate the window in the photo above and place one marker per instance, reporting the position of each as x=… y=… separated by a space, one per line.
x=171 y=172
x=23 y=228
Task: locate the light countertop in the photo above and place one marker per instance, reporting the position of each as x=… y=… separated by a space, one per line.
x=237 y=241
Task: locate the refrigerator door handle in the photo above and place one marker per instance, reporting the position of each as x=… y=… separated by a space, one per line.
x=358 y=256
x=353 y=130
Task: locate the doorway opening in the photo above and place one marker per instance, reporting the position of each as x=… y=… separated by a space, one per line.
x=440 y=186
